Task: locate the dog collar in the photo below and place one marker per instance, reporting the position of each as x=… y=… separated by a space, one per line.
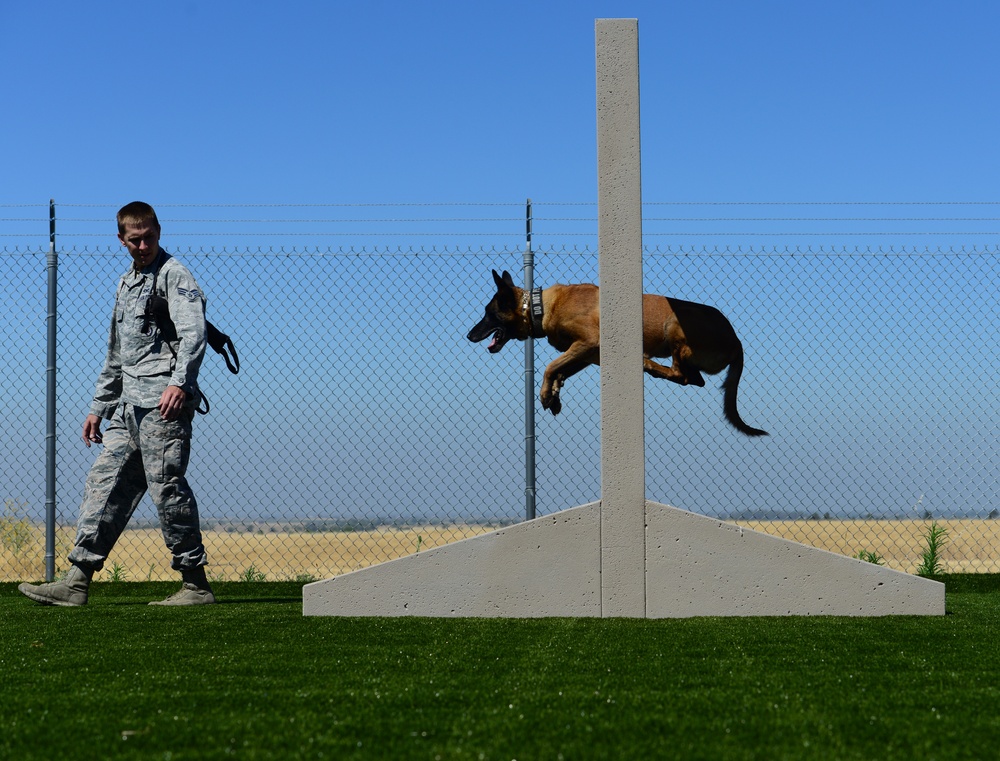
x=533 y=309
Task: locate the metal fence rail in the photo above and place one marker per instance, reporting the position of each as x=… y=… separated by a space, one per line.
x=364 y=426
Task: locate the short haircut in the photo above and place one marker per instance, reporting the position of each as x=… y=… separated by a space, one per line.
x=136 y=214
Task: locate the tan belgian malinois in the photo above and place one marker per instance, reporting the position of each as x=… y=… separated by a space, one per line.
x=698 y=338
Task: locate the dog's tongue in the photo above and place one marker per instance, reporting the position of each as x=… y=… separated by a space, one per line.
x=493 y=342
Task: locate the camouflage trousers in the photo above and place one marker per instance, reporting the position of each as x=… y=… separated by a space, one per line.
x=142 y=452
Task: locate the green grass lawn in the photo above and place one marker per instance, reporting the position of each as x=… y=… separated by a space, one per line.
x=251 y=678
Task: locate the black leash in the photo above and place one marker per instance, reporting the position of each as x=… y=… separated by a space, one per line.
x=158 y=311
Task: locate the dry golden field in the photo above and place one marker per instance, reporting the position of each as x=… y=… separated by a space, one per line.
x=971 y=546
x=140 y=554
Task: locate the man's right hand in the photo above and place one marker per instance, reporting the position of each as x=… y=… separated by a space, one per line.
x=92 y=430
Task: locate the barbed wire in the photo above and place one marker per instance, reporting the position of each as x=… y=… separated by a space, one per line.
x=782 y=219
x=678 y=249
x=355 y=234
x=502 y=204
x=381 y=225
x=785 y=203
x=288 y=205
x=816 y=234
x=339 y=220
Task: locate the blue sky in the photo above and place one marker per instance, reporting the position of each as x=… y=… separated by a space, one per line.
x=390 y=102
x=208 y=104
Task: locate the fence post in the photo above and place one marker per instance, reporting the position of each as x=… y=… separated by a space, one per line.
x=529 y=380
x=52 y=268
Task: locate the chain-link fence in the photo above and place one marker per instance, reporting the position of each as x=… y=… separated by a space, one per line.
x=364 y=426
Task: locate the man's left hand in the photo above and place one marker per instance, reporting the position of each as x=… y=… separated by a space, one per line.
x=171 y=402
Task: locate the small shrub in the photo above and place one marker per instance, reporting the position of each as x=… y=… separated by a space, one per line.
x=870 y=557
x=931 y=558
x=117 y=572
x=252 y=574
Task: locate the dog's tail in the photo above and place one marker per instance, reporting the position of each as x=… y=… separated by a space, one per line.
x=730 y=386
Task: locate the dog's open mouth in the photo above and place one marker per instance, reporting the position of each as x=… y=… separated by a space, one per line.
x=497 y=342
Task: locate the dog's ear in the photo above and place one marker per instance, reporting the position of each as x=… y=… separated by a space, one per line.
x=503 y=282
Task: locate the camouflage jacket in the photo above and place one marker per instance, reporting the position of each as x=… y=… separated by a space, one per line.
x=139 y=364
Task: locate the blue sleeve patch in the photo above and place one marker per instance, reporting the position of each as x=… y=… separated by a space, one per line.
x=191 y=295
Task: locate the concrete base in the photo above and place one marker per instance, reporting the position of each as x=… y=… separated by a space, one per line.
x=695 y=566
x=698 y=566
x=545 y=567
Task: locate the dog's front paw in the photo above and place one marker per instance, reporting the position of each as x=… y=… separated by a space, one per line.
x=552 y=403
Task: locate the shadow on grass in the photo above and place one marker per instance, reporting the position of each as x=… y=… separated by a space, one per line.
x=226 y=592
x=288 y=592
x=131 y=601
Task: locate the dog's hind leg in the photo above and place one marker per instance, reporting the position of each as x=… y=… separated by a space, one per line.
x=693 y=374
x=688 y=376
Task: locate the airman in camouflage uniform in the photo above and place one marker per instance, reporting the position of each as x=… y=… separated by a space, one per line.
x=149 y=391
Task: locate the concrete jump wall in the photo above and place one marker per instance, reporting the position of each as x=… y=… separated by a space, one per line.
x=623 y=556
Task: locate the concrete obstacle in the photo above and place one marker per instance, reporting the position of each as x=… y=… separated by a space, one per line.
x=623 y=556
